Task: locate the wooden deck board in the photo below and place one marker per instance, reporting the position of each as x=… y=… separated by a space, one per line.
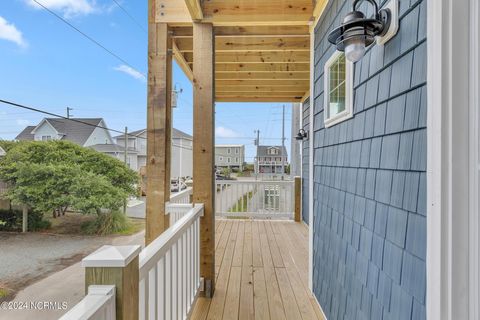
x=262 y=273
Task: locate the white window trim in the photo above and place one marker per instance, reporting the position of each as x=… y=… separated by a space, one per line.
x=348 y=112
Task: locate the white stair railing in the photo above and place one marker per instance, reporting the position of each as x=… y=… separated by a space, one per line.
x=169 y=270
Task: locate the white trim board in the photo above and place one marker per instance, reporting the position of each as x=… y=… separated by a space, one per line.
x=311 y=136
x=452 y=157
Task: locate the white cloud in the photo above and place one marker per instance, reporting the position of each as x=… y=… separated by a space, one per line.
x=9 y=32
x=222 y=132
x=23 y=122
x=68 y=8
x=131 y=72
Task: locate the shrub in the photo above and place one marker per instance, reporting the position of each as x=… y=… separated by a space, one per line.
x=107 y=223
x=11 y=220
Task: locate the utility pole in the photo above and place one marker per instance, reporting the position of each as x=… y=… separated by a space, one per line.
x=257 y=143
x=68 y=112
x=283 y=140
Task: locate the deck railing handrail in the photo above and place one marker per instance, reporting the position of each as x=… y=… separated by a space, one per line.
x=98 y=304
x=169 y=270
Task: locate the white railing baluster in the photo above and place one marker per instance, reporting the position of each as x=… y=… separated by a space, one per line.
x=152 y=293
x=161 y=289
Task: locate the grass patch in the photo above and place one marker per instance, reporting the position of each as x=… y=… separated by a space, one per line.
x=114 y=222
x=4 y=293
x=242 y=203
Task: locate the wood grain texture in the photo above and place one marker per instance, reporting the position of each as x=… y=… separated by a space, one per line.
x=125 y=281
x=298 y=199
x=159 y=128
x=262 y=273
x=203 y=144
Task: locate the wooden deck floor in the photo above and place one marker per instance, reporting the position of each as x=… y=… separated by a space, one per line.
x=262 y=273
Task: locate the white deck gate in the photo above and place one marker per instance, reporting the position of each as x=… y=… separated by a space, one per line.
x=255 y=199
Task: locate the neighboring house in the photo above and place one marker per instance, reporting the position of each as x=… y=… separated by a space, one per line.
x=2 y=152
x=271 y=159
x=230 y=156
x=86 y=132
x=182 y=151
x=118 y=151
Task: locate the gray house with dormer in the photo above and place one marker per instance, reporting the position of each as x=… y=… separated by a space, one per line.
x=86 y=132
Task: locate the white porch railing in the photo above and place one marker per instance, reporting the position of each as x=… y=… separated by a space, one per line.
x=182 y=196
x=168 y=274
x=169 y=270
x=255 y=199
x=98 y=304
x=179 y=205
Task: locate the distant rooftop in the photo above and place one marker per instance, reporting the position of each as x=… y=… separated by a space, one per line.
x=71 y=129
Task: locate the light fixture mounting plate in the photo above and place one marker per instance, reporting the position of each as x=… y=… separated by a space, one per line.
x=393 y=6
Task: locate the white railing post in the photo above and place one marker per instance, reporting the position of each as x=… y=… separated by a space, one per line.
x=118 y=266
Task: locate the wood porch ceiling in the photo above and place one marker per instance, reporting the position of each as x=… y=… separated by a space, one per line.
x=262 y=48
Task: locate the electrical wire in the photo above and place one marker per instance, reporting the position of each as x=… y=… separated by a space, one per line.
x=113 y=54
x=130 y=16
x=14 y=104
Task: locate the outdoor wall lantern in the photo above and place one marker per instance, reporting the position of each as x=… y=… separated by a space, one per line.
x=302 y=134
x=357 y=32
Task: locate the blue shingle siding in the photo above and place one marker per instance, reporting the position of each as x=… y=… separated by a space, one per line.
x=369 y=177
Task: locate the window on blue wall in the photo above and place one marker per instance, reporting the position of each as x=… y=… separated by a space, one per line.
x=338 y=89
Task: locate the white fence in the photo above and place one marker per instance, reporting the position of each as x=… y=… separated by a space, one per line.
x=255 y=199
x=169 y=270
x=98 y=304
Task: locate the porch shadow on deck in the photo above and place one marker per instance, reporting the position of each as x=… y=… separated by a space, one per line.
x=261 y=271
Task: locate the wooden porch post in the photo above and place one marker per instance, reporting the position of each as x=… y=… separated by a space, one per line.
x=159 y=126
x=203 y=147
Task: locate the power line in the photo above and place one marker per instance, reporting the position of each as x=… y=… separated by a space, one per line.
x=89 y=38
x=62 y=117
x=130 y=16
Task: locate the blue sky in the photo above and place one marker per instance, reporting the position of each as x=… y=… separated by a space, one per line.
x=46 y=64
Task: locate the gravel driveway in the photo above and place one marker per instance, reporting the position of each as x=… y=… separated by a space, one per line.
x=28 y=257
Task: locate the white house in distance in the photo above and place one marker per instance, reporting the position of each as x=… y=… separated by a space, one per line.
x=270 y=159
x=182 y=151
x=2 y=152
x=230 y=156
x=86 y=132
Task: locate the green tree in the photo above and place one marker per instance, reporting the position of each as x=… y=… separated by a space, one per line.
x=56 y=175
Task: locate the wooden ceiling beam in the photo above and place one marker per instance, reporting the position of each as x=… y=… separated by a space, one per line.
x=195 y=9
x=187 y=69
x=265 y=88
x=262 y=67
x=265 y=12
x=275 y=83
x=263 y=76
x=258 y=57
x=257 y=99
x=243 y=44
x=247 y=31
x=254 y=94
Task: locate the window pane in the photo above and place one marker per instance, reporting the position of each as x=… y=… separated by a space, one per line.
x=337 y=87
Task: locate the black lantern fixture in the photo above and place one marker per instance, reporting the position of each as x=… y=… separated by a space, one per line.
x=357 y=32
x=302 y=134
